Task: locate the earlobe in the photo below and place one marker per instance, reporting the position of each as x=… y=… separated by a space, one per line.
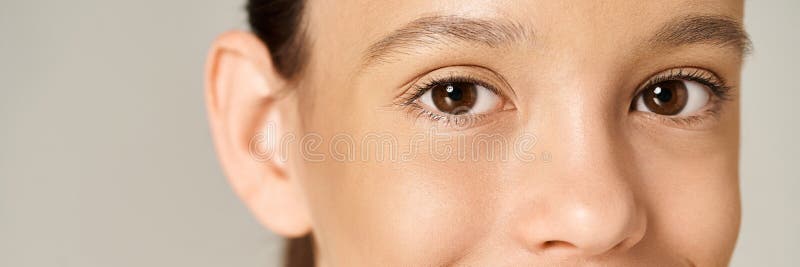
x=242 y=89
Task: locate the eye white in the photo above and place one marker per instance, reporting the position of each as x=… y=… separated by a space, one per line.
x=698 y=96
x=485 y=101
x=427 y=99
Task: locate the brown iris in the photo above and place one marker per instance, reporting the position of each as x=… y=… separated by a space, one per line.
x=666 y=98
x=455 y=98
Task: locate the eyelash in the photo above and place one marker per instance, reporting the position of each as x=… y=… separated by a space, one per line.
x=409 y=100
x=717 y=85
x=720 y=92
x=719 y=89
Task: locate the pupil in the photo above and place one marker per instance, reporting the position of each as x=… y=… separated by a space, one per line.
x=454 y=98
x=454 y=93
x=663 y=96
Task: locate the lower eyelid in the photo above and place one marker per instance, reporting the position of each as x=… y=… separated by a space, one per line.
x=463 y=122
x=699 y=121
x=692 y=122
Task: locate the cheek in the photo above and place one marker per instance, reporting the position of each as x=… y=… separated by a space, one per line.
x=690 y=185
x=417 y=212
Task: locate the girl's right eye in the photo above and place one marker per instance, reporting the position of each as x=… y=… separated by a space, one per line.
x=460 y=98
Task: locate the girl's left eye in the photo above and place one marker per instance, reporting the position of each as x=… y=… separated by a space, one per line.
x=461 y=98
x=674 y=98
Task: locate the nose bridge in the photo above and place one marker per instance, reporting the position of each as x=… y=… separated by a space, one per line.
x=584 y=201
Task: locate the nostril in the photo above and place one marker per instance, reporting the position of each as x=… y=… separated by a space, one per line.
x=556 y=244
x=619 y=245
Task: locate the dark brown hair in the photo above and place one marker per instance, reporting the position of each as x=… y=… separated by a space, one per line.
x=279 y=24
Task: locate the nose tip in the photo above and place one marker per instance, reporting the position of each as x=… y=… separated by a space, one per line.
x=588 y=230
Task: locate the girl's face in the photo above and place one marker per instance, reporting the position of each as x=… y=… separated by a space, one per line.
x=494 y=133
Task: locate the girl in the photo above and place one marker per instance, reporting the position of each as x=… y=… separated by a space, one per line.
x=485 y=133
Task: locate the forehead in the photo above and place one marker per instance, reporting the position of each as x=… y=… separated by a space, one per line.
x=370 y=19
x=390 y=11
x=343 y=32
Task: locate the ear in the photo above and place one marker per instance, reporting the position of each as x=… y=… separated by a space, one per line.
x=242 y=89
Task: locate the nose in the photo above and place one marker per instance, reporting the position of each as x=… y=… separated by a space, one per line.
x=582 y=203
x=585 y=223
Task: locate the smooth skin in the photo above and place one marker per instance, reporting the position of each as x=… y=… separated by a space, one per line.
x=619 y=186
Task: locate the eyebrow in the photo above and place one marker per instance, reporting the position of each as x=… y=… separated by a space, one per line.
x=709 y=29
x=437 y=30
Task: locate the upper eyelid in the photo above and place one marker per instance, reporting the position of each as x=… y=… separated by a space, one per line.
x=461 y=78
x=689 y=73
x=421 y=89
x=474 y=76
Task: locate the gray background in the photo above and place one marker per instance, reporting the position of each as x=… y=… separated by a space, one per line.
x=105 y=156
